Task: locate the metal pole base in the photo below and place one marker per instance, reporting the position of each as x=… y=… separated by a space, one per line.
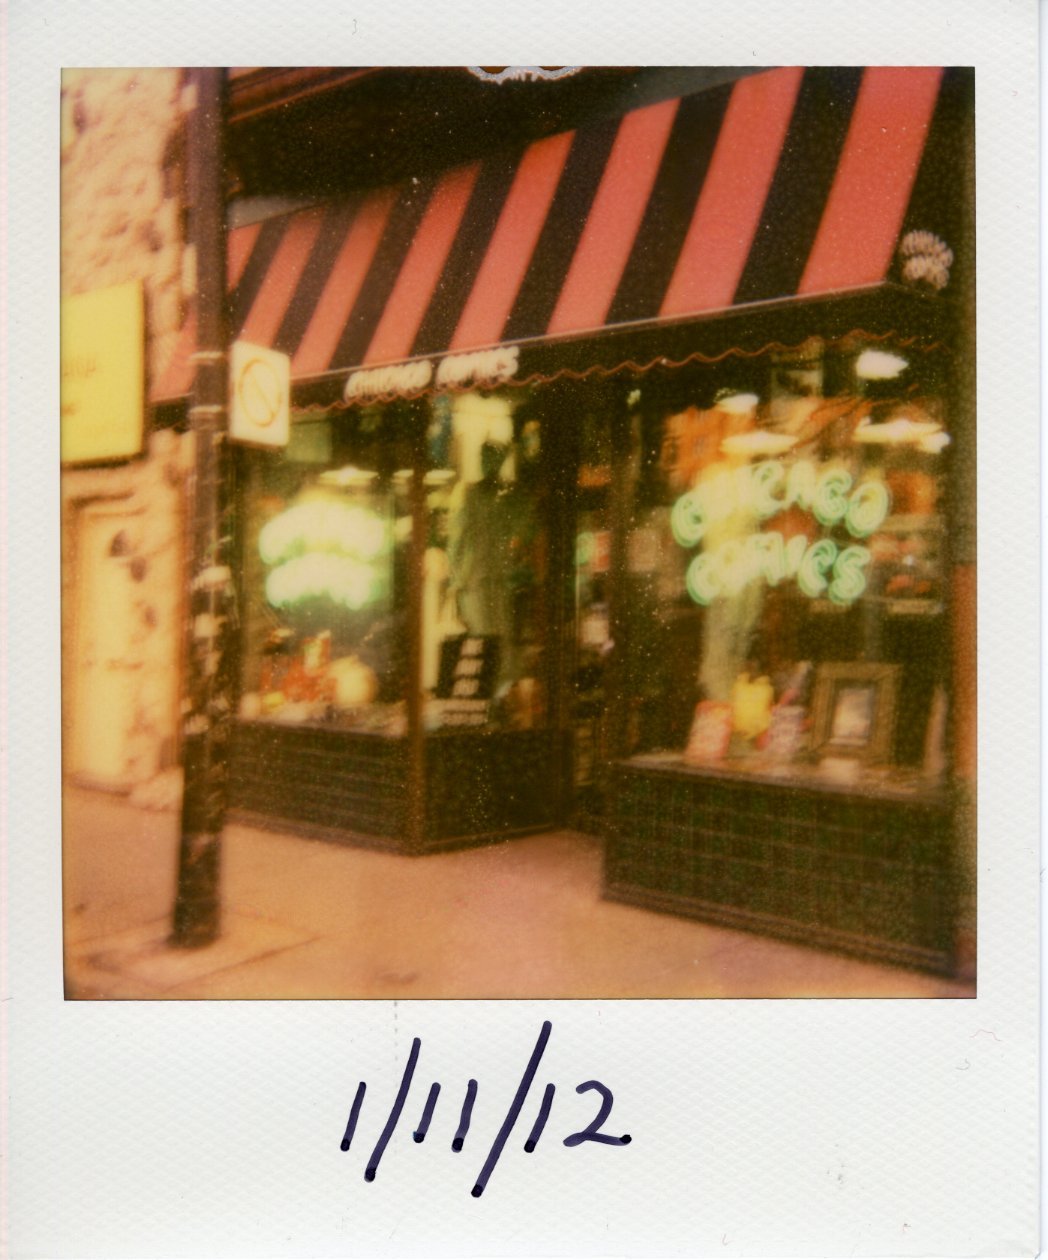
x=197 y=915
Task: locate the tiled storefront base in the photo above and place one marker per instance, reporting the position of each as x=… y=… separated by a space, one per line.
x=872 y=875
x=478 y=786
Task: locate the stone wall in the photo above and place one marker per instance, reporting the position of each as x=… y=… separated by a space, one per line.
x=123 y=174
x=123 y=218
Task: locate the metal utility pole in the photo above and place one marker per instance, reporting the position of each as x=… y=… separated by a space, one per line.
x=210 y=602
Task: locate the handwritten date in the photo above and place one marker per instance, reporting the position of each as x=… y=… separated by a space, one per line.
x=591 y=1133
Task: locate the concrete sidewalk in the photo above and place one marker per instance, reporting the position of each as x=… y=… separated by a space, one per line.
x=307 y=919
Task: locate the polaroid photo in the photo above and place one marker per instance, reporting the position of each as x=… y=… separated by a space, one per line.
x=523 y=717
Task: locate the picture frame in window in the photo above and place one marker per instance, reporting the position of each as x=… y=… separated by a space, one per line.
x=853 y=710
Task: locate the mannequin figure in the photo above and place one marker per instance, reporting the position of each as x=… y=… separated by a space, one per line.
x=480 y=538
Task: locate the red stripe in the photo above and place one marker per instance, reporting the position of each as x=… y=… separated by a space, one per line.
x=285 y=270
x=871 y=190
x=512 y=243
x=238 y=250
x=729 y=208
x=177 y=378
x=399 y=325
x=618 y=207
x=324 y=330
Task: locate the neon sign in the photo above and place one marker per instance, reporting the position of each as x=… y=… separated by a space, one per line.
x=324 y=549
x=820 y=567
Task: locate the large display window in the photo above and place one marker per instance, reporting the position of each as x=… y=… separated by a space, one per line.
x=783 y=604
x=325 y=539
x=396 y=644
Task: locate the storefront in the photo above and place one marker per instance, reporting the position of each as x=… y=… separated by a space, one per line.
x=623 y=478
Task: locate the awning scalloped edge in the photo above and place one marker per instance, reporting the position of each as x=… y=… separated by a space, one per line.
x=629 y=365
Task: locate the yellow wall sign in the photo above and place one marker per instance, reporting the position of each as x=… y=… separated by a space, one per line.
x=103 y=341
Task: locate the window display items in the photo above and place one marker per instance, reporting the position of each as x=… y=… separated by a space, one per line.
x=751 y=705
x=488 y=514
x=854 y=711
x=792 y=521
x=482 y=535
x=327 y=561
x=710 y=733
x=787 y=734
x=327 y=527
x=468 y=669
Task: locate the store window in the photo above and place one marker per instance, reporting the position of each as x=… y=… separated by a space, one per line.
x=325 y=539
x=484 y=569
x=784 y=601
x=591 y=599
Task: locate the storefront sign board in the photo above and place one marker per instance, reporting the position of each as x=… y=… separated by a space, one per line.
x=103 y=374
x=481 y=369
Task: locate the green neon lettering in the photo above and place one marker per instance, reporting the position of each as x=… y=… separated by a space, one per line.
x=769 y=477
x=321 y=575
x=770 y=559
x=867 y=508
x=794 y=554
x=701 y=581
x=849 y=580
x=817 y=561
x=731 y=566
x=688 y=519
x=831 y=496
x=800 y=484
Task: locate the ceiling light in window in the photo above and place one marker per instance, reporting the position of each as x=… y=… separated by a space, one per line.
x=757 y=442
x=347 y=477
x=898 y=432
x=934 y=443
x=738 y=403
x=879 y=365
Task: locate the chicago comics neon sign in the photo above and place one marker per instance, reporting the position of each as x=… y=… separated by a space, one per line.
x=821 y=566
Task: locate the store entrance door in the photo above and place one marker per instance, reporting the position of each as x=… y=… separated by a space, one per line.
x=591 y=649
x=601 y=432
x=104 y=677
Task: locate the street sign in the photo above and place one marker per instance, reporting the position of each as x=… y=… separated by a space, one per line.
x=259 y=388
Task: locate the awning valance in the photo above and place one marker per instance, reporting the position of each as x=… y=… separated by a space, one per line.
x=788 y=183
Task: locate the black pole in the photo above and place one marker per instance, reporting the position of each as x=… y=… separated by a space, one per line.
x=210 y=605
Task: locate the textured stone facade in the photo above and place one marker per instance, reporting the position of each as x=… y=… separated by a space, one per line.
x=122 y=192
x=123 y=218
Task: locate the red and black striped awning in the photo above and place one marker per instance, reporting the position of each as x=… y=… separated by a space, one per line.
x=787 y=183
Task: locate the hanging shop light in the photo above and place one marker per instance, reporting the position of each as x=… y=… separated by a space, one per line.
x=757 y=442
x=934 y=443
x=901 y=431
x=737 y=402
x=880 y=365
x=347 y=477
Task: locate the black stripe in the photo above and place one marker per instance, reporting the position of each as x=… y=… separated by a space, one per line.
x=671 y=206
x=801 y=184
x=243 y=296
x=382 y=274
x=338 y=219
x=560 y=233
x=467 y=253
x=938 y=196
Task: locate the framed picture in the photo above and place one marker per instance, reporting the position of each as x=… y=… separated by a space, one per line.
x=853 y=714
